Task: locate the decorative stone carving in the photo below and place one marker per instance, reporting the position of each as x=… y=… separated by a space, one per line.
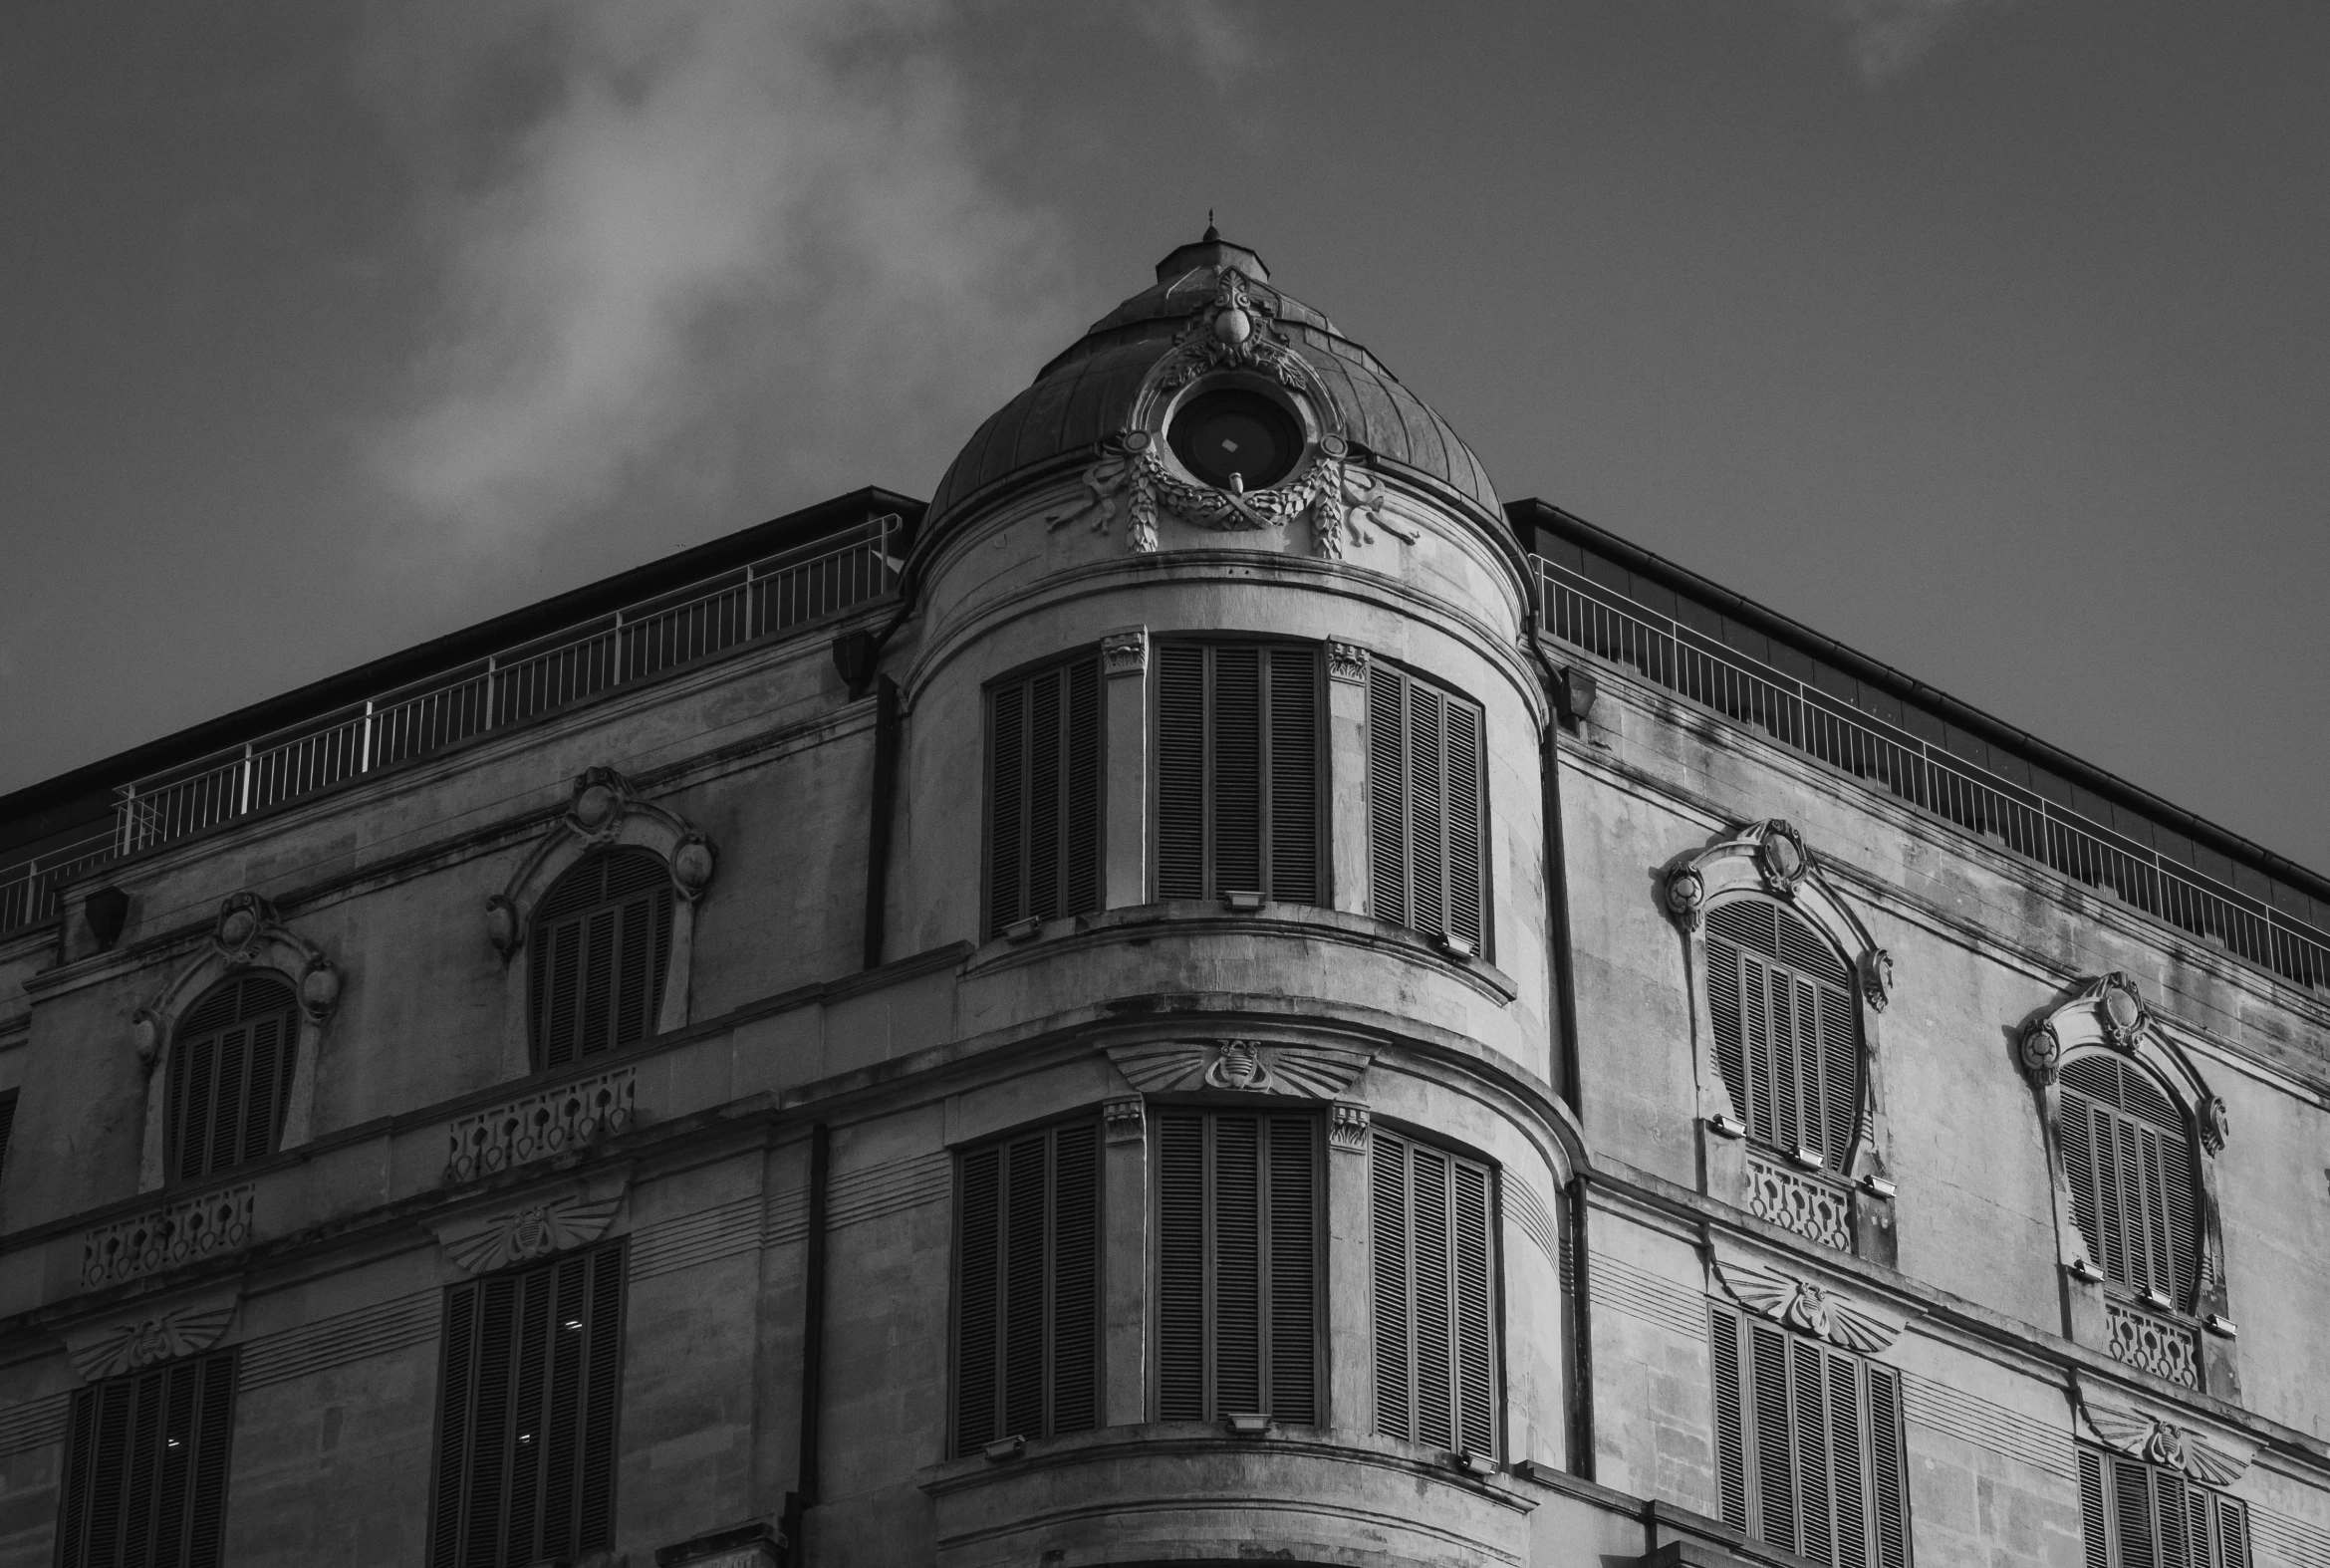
x=2149 y=1343
x=1876 y=971
x=164 y=1238
x=1347 y=1126
x=1125 y=652
x=1801 y=1304
x=2146 y=1436
x=1313 y=1071
x=2042 y=1053
x=536 y=1231
x=2216 y=1124
x=1123 y=1121
x=1347 y=662
x=1781 y=856
x=160 y=1336
x=1687 y=895
x=1806 y=1204
x=539 y=1126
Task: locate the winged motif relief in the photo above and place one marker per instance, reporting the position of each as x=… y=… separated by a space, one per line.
x=1801 y=1304
x=153 y=1339
x=1314 y=1071
x=536 y=1231
x=2144 y=1437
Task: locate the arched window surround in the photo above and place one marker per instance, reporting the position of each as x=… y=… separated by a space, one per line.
x=2107 y=1015
x=248 y=933
x=605 y=812
x=1768 y=860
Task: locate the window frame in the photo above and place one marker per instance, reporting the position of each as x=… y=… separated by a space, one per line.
x=209 y=1467
x=1835 y=1163
x=1371 y=792
x=1024 y=675
x=176 y=1091
x=664 y=943
x=2104 y=1519
x=1491 y=1281
x=1162 y=648
x=2183 y=1292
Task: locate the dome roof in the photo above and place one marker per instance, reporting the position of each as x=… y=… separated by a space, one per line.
x=1089 y=390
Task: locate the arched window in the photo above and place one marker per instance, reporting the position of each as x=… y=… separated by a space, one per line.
x=2128 y=1159
x=1786 y=1031
x=230 y=1075
x=601 y=941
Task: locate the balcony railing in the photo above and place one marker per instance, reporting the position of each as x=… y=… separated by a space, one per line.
x=1806 y=719
x=769 y=598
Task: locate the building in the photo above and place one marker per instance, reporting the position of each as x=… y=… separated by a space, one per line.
x=1210 y=993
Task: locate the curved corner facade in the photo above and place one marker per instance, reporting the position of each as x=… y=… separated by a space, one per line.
x=1211 y=994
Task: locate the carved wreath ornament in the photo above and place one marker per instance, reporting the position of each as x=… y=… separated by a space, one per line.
x=1237 y=331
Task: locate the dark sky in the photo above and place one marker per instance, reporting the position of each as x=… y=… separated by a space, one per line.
x=1987 y=335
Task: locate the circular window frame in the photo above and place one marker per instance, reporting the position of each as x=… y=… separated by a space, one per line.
x=1307 y=430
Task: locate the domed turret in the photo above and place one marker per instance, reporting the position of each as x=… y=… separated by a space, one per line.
x=1214 y=375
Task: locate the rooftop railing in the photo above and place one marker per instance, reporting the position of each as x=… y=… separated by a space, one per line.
x=781 y=594
x=1806 y=719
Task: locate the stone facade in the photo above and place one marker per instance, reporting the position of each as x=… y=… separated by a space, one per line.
x=778 y=1159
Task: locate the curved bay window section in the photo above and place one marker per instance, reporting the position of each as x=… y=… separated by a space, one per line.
x=1240 y=759
x=230 y=1075
x=1428 y=810
x=1787 y=989
x=1044 y=824
x=600 y=949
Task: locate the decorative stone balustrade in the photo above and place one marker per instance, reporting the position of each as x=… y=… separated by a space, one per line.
x=539 y=1126
x=2155 y=1343
x=164 y=1238
x=1795 y=1201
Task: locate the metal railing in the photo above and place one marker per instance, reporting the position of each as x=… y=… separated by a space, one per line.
x=769 y=597
x=1610 y=626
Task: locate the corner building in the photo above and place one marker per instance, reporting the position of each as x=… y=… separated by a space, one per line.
x=1211 y=993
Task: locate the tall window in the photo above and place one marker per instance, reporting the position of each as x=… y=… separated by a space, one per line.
x=1436 y=1294
x=230 y=1075
x=2129 y=1162
x=1238 y=757
x=7 y=1123
x=1238 y=1262
x=533 y=1362
x=1428 y=807
x=1808 y=1446
x=1044 y=795
x=1787 y=1032
x=145 y=1467
x=2139 y=1516
x=1028 y=1303
x=601 y=941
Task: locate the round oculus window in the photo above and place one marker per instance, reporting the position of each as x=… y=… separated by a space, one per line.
x=1235 y=440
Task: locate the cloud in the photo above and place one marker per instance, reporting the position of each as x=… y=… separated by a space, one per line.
x=1888 y=35
x=1216 y=38
x=671 y=243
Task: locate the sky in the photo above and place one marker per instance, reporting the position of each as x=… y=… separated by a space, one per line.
x=1989 y=337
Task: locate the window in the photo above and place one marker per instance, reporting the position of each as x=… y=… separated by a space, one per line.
x=1436 y=1289
x=1044 y=795
x=1427 y=808
x=1808 y=1446
x=601 y=941
x=230 y=1075
x=2139 y=1516
x=1239 y=1266
x=526 y=1413
x=1028 y=1307
x=1787 y=1031
x=7 y=1123
x=145 y=1466
x=2129 y=1162
x=1238 y=754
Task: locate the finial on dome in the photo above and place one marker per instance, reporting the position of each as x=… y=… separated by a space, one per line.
x=1211 y=251
x=1212 y=233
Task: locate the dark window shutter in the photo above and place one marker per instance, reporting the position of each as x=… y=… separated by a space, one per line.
x=1808 y=1445
x=1240 y=787
x=7 y=1124
x=1434 y=1292
x=1787 y=1032
x=1044 y=795
x=2233 y=1534
x=2094 y=1532
x=1427 y=799
x=2129 y=1162
x=145 y=1467
x=1237 y=1265
x=602 y=945
x=2135 y=1514
x=1027 y=1314
x=230 y=1075
x=526 y=1423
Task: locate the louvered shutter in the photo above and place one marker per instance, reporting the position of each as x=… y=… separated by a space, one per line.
x=2095 y=1532
x=2129 y=1166
x=601 y=944
x=1428 y=802
x=230 y=1075
x=2135 y=1514
x=1044 y=795
x=1808 y=1445
x=527 y=1413
x=1239 y=785
x=1786 y=1029
x=145 y=1467
x=1027 y=1313
x=1435 y=1293
x=1238 y=1261
x=7 y=1124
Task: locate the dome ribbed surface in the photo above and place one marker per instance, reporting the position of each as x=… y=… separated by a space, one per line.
x=1088 y=391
